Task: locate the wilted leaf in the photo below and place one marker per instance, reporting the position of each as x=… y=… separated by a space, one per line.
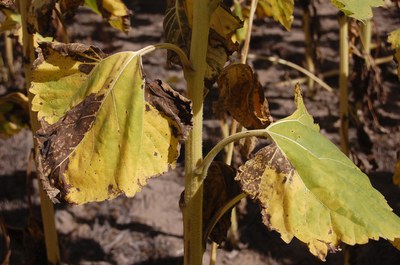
x=223 y=24
x=310 y=190
x=219 y=189
x=358 y=9
x=394 y=40
x=114 y=11
x=40 y=17
x=241 y=94
x=280 y=10
x=69 y=7
x=7 y=3
x=14 y=114
x=99 y=136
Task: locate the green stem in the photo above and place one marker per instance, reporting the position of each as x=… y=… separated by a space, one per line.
x=203 y=167
x=46 y=206
x=187 y=66
x=193 y=199
x=343 y=80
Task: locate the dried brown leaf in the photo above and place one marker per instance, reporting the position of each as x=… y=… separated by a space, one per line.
x=219 y=188
x=241 y=94
x=172 y=104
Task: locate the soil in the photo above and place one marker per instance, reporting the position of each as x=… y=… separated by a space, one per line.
x=148 y=228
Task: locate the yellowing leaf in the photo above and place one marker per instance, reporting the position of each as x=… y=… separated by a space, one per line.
x=223 y=24
x=358 y=9
x=241 y=94
x=14 y=114
x=280 y=10
x=394 y=40
x=99 y=136
x=310 y=190
x=115 y=11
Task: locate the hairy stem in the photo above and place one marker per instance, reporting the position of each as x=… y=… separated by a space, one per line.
x=193 y=199
x=46 y=206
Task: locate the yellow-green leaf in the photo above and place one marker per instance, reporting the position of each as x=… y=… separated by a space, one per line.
x=394 y=40
x=103 y=133
x=280 y=10
x=115 y=11
x=358 y=9
x=310 y=190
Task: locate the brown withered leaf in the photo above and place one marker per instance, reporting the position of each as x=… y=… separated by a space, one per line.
x=247 y=146
x=7 y=3
x=219 y=188
x=69 y=7
x=171 y=104
x=241 y=94
x=40 y=17
x=223 y=24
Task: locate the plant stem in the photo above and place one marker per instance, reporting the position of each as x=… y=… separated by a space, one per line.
x=203 y=167
x=187 y=66
x=46 y=206
x=193 y=199
x=309 y=50
x=366 y=41
x=343 y=80
x=9 y=54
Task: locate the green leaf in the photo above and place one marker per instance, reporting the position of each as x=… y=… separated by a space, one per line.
x=310 y=190
x=280 y=10
x=394 y=40
x=104 y=131
x=358 y=9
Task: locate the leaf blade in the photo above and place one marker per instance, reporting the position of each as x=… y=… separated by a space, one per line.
x=310 y=190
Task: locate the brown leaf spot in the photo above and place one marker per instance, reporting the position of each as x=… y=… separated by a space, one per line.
x=56 y=142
